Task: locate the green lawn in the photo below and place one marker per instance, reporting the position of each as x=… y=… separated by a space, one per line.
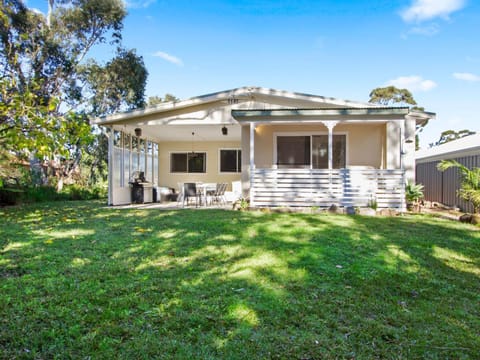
x=79 y=280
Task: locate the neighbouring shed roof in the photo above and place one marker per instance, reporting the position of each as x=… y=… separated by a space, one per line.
x=469 y=145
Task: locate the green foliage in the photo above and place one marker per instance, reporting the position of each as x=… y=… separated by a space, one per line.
x=154 y=100
x=372 y=203
x=391 y=95
x=47 y=50
x=81 y=280
x=119 y=85
x=48 y=89
x=413 y=192
x=16 y=195
x=451 y=135
x=470 y=188
x=242 y=204
x=26 y=121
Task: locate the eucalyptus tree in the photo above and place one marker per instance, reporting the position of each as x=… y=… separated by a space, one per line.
x=47 y=90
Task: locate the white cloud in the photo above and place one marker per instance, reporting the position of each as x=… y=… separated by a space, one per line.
x=138 y=4
x=466 y=77
x=413 y=83
x=170 y=58
x=422 y=10
x=428 y=30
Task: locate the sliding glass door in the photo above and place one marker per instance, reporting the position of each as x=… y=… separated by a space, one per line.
x=310 y=151
x=293 y=151
x=320 y=151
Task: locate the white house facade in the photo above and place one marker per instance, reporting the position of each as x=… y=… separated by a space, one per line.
x=286 y=149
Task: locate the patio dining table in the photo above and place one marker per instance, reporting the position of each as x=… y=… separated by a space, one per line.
x=204 y=189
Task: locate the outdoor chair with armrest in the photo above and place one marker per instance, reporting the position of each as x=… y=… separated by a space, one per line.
x=219 y=194
x=190 y=191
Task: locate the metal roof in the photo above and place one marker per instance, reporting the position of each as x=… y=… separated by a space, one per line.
x=244 y=93
x=466 y=144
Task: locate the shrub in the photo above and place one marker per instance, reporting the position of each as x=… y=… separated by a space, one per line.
x=413 y=192
x=470 y=188
x=12 y=196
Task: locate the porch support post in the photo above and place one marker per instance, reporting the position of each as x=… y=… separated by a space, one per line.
x=110 y=165
x=330 y=125
x=252 y=163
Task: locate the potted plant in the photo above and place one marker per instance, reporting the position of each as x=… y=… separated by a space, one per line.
x=413 y=194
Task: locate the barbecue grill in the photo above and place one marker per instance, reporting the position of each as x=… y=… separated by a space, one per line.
x=138 y=184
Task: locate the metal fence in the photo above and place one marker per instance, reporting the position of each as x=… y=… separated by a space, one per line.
x=442 y=187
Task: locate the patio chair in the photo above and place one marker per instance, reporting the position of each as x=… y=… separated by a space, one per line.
x=219 y=195
x=190 y=191
x=180 y=193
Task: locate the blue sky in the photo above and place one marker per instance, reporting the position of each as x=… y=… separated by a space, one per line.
x=334 y=48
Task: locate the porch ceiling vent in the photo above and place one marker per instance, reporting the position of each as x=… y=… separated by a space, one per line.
x=224 y=130
x=138 y=132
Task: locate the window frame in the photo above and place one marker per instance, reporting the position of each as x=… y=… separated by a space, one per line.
x=237 y=150
x=311 y=134
x=187 y=171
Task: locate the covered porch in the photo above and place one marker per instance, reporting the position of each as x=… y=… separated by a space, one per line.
x=160 y=158
x=322 y=157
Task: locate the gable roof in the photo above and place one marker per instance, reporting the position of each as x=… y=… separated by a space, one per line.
x=235 y=96
x=461 y=147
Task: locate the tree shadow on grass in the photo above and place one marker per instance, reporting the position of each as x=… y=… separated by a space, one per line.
x=220 y=284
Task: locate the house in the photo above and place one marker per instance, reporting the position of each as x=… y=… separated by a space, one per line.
x=286 y=148
x=440 y=186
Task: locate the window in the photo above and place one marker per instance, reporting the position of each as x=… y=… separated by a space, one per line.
x=230 y=160
x=310 y=151
x=188 y=162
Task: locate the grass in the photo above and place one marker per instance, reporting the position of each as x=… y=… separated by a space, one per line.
x=78 y=280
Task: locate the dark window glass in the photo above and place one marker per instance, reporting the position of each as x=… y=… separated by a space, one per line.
x=339 y=151
x=178 y=162
x=188 y=162
x=196 y=162
x=293 y=151
x=230 y=160
x=239 y=160
x=320 y=151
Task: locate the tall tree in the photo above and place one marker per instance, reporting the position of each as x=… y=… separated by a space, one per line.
x=118 y=85
x=391 y=95
x=46 y=90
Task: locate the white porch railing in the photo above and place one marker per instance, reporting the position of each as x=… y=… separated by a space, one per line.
x=315 y=187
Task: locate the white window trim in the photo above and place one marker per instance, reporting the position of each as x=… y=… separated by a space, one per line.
x=187 y=152
x=307 y=133
x=220 y=172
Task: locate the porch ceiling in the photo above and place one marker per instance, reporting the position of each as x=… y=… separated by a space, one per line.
x=161 y=133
